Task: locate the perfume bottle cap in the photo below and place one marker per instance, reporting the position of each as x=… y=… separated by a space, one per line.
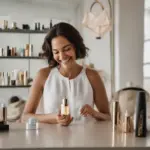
x=65 y=101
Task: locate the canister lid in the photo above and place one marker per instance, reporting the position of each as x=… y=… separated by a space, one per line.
x=32 y=121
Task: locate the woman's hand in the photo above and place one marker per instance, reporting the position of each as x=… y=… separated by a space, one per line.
x=64 y=120
x=87 y=110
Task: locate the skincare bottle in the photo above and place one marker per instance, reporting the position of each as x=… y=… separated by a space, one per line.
x=64 y=107
x=39 y=27
x=5 y=24
x=8 y=79
x=25 y=78
x=3 y=114
x=51 y=25
x=13 y=81
x=36 y=26
x=140 y=124
x=115 y=105
x=30 y=50
x=43 y=27
x=3 y=78
x=1 y=52
x=8 y=51
x=3 y=118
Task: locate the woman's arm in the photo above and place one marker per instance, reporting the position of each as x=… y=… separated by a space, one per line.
x=100 y=96
x=34 y=99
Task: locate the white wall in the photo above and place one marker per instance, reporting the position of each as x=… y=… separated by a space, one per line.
x=99 y=53
x=29 y=13
x=129 y=31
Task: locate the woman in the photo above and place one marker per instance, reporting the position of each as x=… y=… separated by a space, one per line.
x=82 y=86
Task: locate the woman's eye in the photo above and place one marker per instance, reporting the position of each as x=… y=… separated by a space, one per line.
x=67 y=49
x=55 y=52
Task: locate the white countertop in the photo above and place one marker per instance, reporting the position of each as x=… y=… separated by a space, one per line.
x=92 y=134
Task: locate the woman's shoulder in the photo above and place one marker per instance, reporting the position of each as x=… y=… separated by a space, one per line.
x=44 y=71
x=94 y=77
x=92 y=73
x=42 y=74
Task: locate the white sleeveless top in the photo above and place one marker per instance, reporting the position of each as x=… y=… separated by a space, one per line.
x=78 y=91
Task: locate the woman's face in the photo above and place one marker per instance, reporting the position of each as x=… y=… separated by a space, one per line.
x=63 y=51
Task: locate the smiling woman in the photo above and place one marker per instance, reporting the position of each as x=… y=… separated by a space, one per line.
x=62 y=46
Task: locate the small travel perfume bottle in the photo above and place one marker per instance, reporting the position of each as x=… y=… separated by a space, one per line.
x=64 y=107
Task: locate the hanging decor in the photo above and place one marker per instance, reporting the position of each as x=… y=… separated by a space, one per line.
x=100 y=24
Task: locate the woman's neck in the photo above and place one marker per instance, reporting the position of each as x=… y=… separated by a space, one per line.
x=70 y=72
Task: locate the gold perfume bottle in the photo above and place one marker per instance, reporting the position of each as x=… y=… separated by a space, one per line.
x=64 y=107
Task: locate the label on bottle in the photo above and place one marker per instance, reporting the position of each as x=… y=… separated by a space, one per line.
x=64 y=110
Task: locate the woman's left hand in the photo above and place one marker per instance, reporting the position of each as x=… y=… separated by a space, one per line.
x=87 y=110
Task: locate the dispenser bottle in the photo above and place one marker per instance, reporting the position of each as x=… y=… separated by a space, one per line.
x=64 y=107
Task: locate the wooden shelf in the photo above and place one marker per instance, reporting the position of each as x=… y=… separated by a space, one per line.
x=17 y=86
x=19 y=57
x=23 y=31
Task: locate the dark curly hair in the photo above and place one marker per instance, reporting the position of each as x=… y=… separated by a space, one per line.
x=71 y=34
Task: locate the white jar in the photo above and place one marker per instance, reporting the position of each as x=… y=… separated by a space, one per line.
x=32 y=124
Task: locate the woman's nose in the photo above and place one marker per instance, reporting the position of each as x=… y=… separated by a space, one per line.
x=62 y=56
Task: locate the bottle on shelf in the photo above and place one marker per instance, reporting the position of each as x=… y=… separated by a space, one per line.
x=5 y=26
x=1 y=52
x=8 y=51
x=15 y=78
x=2 y=78
x=30 y=50
x=43 y=27
x=38 y=27
x=51 y=25
x=27 y=50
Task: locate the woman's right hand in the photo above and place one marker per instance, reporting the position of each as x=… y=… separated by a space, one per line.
x=64 y=120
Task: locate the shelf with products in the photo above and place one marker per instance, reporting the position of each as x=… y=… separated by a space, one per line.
x=20 y=57
x=23 y=31
x=15 y=78
x=19 y=53
x=16 y=86
x=11 y=51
